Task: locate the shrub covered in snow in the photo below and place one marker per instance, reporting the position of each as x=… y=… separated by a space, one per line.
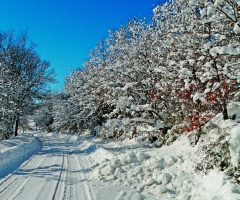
x=220 y=147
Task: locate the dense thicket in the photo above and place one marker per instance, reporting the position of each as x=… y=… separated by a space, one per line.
x=174 y=73
x=23 y=79
x=151 y=79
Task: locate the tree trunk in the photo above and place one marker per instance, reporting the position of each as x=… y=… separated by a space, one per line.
x=225 y=112
x=16 y=127
x=198 y=135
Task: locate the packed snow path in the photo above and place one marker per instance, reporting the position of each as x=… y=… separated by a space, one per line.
x=59 y=171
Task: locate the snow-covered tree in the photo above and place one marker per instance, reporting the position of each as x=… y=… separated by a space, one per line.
x=201 y=54
x=176 y=72
x=23 y=78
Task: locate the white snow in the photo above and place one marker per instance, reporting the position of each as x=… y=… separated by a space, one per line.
x=215 y=86
x=13 y=152
x=207 y=90
x=228 y=50
x=211 y=9
x=166 y=173
x=89 y=168
x=236 y=28
x=185 y=71
x=60 y=170
x=234 y=145
x=218 y=2
x=197 y=96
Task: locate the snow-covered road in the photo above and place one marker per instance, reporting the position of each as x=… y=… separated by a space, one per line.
x=60 y=171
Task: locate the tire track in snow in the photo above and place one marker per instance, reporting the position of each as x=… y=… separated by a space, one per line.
x=34 y=175
x=18 y=189
x=14 y=179
x=12 y=174
x=59 y=178
x=48 y=183
x=58 y=172
x=61 y=190
x=65 y=189
x=74 y=187
x=88 y=189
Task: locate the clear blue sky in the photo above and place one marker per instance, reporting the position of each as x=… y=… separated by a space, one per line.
x=66 y=30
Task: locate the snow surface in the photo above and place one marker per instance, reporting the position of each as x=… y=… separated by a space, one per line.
x=59 y=171
x=72 y=167
x=13 y=152
x=166 y=173
x=234 y=145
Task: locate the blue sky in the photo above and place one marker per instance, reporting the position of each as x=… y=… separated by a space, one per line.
x=66 y=30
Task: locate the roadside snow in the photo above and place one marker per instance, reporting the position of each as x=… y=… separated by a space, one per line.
x=15 y=151
x=234 y=145
x=126 y=169
x=233 y=128
x=165 y=173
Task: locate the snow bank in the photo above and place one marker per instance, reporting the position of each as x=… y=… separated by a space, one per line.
x=234 y=109
x=171 y=177
x=231 y=128
x=216 y=185
x=15 y=151
x=143 y=172
x=234 y=146
x=168 y=172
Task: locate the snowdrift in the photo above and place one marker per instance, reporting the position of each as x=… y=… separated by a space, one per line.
x=170 y=172
x=166 y=173
x=15 y=151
